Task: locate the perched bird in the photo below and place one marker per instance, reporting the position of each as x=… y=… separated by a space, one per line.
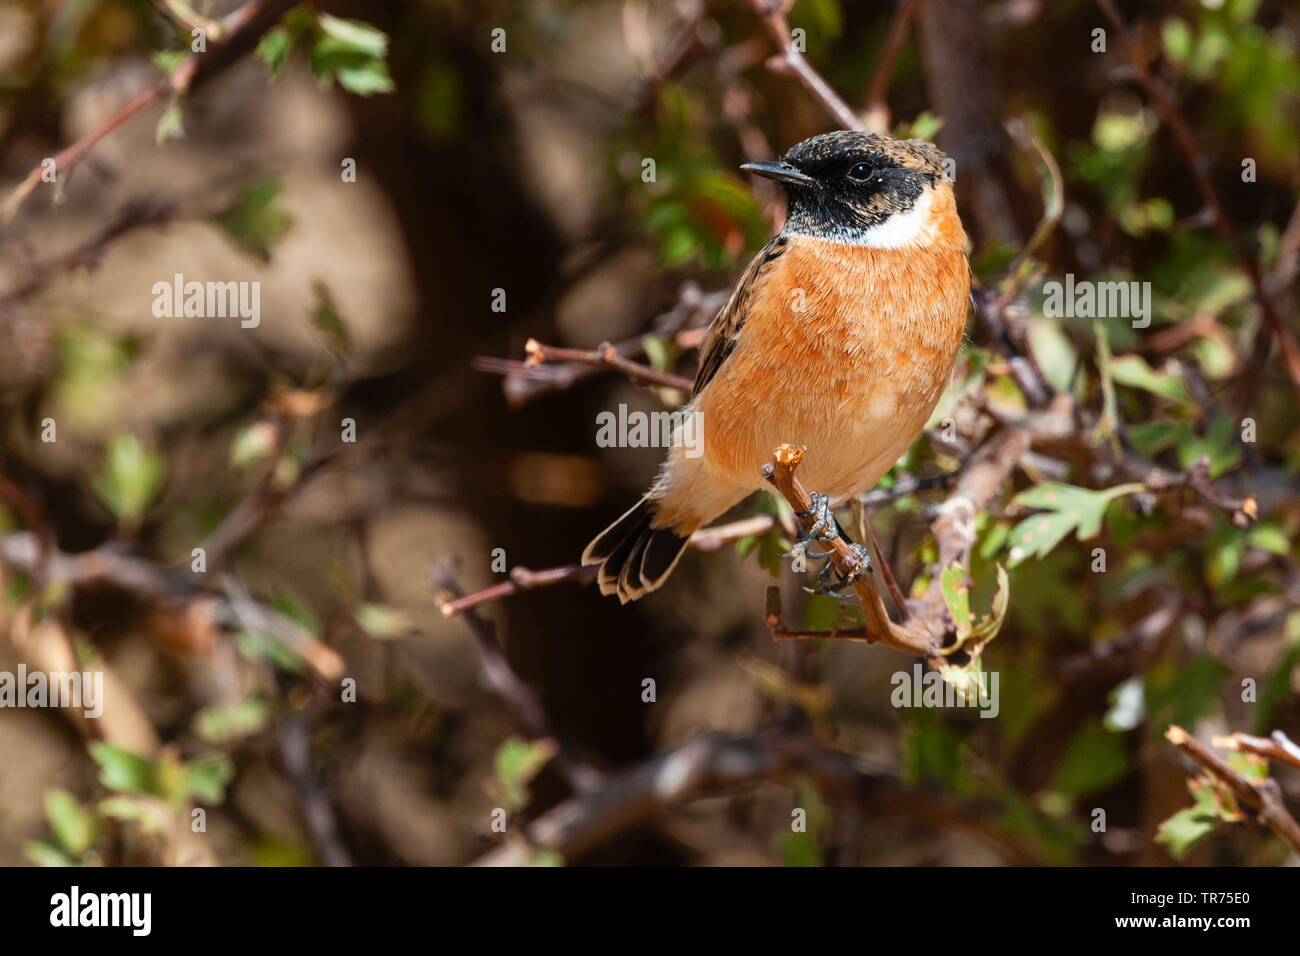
x=840 y=337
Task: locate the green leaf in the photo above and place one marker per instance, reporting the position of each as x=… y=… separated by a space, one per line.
x=1068 y=509
x=381 y=621
x=957 y=596
x=1277 y=688
x=171 y=125
x=1181 y=831
x=544 y=857
x=1151 y=438
x=119 y=769
x=150 y=813
x=42 y=854
x=1133 y=370
x=799 y=849
x=1093 y=760
x=327 y=318
x=353 y=53
x=129 y=478
x=365 y=79
x=74 y=826
x=354 y=35
x=206 y=778
x=990 y=624
x=168 y=60
x=1183 y=694
x=221 y=724
x=1054 y=352
x=1127 y=706
x=517 y=762
x=656 y=350
x=1176 y=36
x=770 y=549
x=1219 y=444
x=255 y=221
x=932 y=749
x=273 y=49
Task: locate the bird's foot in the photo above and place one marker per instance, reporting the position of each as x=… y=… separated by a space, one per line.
x=825 y=529
x=839 y=586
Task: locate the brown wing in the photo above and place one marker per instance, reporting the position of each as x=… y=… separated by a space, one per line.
x=721 y=337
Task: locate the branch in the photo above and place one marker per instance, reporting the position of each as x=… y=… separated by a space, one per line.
x=525 y=579
x=240 y=31
x=684 y=324
x=604 y=356
x=506 y=684
x=1277 y=746
x=521 y=579
x=705 y=539
x=709 y=764
x=773 y=14
x=294 y=739
x=26 y=552
x=137 y=214
x=1264 y=796
x=918 y=638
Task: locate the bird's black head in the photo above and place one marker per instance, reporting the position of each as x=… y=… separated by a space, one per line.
x=846 y=186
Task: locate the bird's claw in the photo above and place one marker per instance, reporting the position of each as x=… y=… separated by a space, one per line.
x=825 y=529
x=833 y=585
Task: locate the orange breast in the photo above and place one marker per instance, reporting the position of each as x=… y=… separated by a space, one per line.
x=846 y=350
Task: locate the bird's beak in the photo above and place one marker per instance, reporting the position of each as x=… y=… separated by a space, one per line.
x=781 y=172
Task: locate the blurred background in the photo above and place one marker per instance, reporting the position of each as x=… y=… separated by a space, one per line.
x=422 y=187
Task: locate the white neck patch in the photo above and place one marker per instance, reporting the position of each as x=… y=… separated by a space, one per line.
x=901 y=229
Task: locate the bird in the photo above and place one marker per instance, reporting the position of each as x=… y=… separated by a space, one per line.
x=840 y=338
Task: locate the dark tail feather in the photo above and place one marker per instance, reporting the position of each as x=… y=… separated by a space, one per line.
x=634 y=558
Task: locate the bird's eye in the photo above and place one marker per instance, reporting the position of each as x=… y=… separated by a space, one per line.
x=861 y=173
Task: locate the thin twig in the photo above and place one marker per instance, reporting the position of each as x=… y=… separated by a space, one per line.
x=1265 y=796
x=506 y=684
x=1277 y=746
x=525 y=579
x=920 y=641
x=709 y=764
x=239 y=31
x=604 y=356
x=773 y=14
x=295 y=752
